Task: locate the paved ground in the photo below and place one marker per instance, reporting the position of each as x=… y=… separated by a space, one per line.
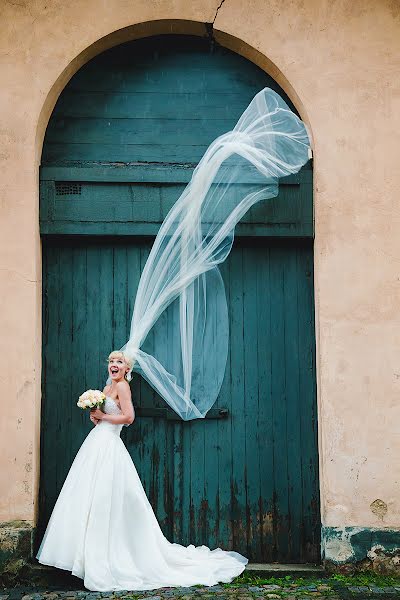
x=321 y=591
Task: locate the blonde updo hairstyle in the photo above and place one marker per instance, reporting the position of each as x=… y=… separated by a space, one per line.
x=120 y=354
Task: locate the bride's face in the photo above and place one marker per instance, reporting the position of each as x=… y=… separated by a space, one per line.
x=117 y=368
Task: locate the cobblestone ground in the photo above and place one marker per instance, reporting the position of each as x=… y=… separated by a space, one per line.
x=322 y=591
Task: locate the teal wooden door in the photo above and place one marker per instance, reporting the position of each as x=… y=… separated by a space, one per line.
x=120 y=146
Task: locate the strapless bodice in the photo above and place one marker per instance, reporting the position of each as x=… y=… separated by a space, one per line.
x=110 y=407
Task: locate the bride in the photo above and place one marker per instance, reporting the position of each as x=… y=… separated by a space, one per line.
x=103 y=528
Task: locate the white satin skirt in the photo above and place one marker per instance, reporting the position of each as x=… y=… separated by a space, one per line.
x=103 y=528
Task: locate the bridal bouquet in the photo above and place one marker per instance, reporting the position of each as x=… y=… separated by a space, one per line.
x=91 y=399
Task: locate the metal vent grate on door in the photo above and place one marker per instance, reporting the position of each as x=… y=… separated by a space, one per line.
x=68 y=188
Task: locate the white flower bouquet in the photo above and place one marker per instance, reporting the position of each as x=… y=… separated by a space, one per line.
x=91 y=399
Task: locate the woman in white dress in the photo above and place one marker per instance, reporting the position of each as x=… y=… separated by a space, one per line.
x=103 y=528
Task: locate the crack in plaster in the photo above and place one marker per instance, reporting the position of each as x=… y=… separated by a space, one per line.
x=217 y=11
x=13 y=271
x=210 y=26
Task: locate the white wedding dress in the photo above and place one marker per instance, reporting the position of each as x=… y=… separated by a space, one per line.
x=103 y=528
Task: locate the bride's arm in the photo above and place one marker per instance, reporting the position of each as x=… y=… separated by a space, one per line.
x=125 y=400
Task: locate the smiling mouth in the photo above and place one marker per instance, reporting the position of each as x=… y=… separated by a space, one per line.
x=114 y=371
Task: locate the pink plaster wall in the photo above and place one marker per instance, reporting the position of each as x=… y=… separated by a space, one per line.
x=339 y=62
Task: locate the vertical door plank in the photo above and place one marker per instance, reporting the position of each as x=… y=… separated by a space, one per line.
x=239 y=439
x=148 y=442
x=293 y=403
x=51 y=407
x=197 y=470
x=279 y=398
x=265 y=416
x=308 y=420
x=70 y=412
x=251 y=334
x=94 y=331
x=133 y=434
x=226 y=447
x=80 y=353
x=106 y=309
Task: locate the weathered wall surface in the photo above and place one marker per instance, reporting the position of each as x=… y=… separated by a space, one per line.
x=339 y=62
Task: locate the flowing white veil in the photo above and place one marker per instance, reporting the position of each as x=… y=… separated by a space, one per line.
x=181 y=289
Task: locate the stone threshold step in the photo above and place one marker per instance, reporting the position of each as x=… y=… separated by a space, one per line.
x=281 y=570
x=37 y=572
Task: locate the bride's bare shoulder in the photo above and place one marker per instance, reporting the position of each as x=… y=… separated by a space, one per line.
x=123 y=389
x=123 y=385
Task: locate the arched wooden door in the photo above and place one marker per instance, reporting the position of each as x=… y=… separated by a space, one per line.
x=120 y=146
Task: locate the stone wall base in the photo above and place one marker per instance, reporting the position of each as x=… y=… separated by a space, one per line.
x=16 y=549
x=353 y=549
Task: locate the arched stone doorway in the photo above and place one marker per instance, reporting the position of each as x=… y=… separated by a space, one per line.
x=120 y=145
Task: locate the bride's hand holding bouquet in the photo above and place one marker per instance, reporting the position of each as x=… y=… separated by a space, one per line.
x=93 y=399
x=96 y=415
